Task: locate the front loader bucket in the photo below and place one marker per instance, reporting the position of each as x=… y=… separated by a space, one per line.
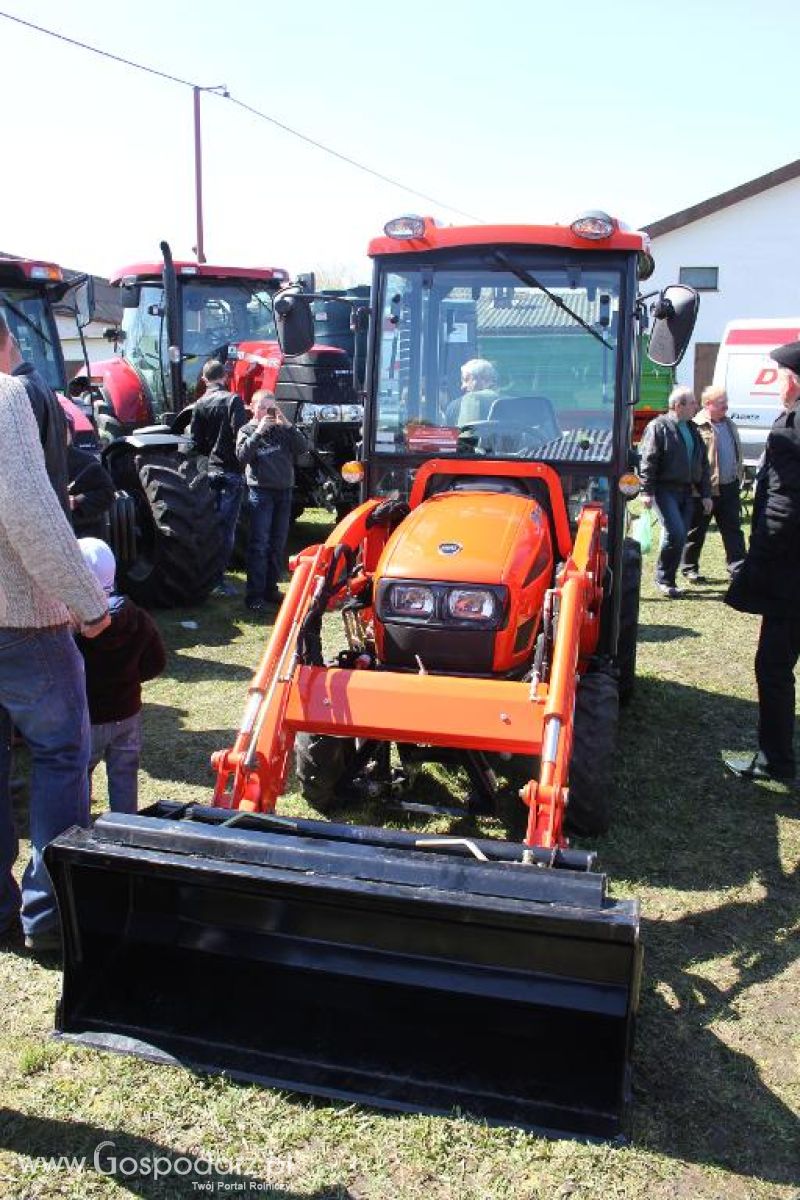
x=347 y=962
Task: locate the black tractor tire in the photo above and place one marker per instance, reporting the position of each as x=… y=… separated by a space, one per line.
x=178 y=544
x=591 y=770
x=629 y=617
x=320 y=761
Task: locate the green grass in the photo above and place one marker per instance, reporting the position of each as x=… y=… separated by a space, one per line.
x=713 y=860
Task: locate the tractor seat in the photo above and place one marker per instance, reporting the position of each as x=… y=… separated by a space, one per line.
x=528 y=411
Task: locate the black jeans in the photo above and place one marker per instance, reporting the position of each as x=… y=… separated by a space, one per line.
x=727 y=510
x=776 y=658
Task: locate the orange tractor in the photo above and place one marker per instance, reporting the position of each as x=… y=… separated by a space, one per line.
x=488 y=598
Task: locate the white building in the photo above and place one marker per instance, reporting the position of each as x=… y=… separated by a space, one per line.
x=741 y=250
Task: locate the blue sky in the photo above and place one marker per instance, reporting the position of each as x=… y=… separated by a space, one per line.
x=507 y=110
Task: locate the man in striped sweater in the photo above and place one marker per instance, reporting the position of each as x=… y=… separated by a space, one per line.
x=46 y=591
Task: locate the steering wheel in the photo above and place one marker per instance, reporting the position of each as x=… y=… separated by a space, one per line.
x=487 y=432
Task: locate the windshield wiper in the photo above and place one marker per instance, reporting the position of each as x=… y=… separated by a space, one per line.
x=23 y=316
x=532 y=281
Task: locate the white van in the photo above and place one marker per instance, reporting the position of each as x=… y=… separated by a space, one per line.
x=749 y=376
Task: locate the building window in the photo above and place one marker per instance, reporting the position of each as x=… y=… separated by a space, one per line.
x=703 y=279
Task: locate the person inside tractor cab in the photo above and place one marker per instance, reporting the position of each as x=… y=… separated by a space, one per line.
x=206 y=327
x=48 y=412
x=478 y=384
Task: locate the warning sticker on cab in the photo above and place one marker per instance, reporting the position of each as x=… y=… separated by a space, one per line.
x=431 y=438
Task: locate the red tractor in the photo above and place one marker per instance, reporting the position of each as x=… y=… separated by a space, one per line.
x=163 y=527
x=177 y=315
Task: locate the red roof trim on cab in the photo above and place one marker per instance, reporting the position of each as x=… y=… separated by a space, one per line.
x=451 y=236
x=191 y=270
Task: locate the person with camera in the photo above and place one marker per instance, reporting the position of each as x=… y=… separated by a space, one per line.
x=267 y=447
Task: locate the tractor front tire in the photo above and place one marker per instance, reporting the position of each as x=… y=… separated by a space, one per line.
x=179 y=544
x=320 y=761
x=591 y=771
x=629 y=617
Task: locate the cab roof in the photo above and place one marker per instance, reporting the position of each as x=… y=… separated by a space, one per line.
x=34 y=269
x=448 y=237
x=141 y=272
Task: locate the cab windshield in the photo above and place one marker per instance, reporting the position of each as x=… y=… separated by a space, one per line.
x=27 y=317
x=217 y=315
x=517 y=363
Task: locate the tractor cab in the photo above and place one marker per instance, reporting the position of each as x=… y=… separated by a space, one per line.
x=176 y=316
x=28 y=293
x=508 y=345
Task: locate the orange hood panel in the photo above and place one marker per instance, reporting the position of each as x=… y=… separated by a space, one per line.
x=472 y=537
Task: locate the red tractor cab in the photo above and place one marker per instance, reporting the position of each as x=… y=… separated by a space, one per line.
x=29 y=291
x=176 y=316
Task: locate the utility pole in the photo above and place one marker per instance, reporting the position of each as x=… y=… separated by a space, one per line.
x=219 y=90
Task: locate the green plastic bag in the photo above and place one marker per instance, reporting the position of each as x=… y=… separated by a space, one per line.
x=643 y=532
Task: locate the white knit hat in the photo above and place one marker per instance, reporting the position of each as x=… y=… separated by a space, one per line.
x=99 y=558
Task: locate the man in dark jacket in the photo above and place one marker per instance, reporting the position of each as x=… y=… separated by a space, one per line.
x=267 y=448
x=217 y=418
x=673 y=463
x=48 y=412
x=768 y=583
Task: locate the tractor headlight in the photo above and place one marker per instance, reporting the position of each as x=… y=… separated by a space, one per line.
x=319 y=412
x=471 y=604
x=409 y=600
x=353 y=412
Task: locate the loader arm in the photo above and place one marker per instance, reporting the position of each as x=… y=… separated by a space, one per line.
x=288 y=696
x=251 y=774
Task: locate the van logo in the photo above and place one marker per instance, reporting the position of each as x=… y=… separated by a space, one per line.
x=450 y=547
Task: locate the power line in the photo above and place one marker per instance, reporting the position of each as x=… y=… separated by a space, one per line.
x=224 y=94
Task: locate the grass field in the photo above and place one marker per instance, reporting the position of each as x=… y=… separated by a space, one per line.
x=714 y=861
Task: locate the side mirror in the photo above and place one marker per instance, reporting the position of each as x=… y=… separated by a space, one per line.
x=114 y=334
x=675 y=314
x=129 y=297
x=294 y=320
x=84 y=302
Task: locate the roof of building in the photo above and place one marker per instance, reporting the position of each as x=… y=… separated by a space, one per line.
x=705 y=208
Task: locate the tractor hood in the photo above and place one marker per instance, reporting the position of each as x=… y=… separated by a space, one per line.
x=475 y=537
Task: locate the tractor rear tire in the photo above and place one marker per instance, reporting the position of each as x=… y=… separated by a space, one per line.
x=591 y=771
x=629 y=617
x=320 y=761
x=179 y=544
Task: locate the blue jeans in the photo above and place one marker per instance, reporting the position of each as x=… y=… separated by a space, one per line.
x=119 y=744
x=227 y=488
x=43 y=693
x=674 y=507
x=270 y=517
